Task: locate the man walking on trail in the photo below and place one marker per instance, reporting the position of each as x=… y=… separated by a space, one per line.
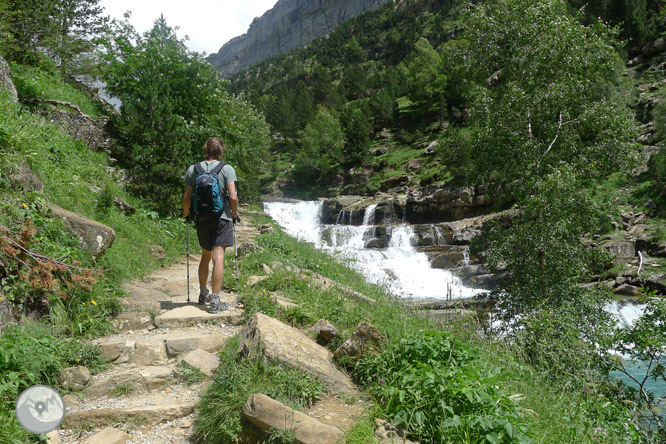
x=216 y=233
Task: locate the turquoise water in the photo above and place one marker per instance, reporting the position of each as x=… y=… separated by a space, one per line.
x=637 y=369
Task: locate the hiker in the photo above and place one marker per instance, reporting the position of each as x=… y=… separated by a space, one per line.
x=214 y=230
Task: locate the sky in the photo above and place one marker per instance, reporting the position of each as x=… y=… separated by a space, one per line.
x=209 y=24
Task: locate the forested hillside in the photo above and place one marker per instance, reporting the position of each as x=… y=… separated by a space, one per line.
x=410 y=74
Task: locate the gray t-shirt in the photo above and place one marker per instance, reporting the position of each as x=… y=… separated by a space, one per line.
x=228 y=174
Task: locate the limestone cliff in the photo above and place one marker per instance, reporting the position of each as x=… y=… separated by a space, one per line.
x=289 y=25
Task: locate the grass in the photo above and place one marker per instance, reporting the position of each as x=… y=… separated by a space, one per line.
x=235 y=380
x=189 y=374
x=31 y=82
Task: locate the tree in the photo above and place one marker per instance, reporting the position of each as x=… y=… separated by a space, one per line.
x=547 y=127
x=542 y=93
x=356 y=127
x=425 y=78
x=63 y=29
x=172 y=101
x=321 y=152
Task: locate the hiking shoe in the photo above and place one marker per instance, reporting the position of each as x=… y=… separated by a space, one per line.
x=218 y=307
x=203 y=299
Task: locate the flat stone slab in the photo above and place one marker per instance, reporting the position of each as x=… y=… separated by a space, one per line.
x=266 y=414
x=136 y=379
x=205 y=362
x=180 y=346
x=109 y=435
x=280 y=342
x=147 y=415
x=192 y=314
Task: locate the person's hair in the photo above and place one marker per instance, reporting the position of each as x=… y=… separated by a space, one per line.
x=213 y=148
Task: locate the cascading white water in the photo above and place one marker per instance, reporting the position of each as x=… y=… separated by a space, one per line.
x=400 y=268
x=626 y=313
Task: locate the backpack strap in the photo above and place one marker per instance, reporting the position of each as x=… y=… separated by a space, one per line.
x=218 y=168
x=198 y=168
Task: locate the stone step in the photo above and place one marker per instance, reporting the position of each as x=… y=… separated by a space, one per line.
x=130 y=379
x=189 y=315
x=159 y=347
x=149 y=414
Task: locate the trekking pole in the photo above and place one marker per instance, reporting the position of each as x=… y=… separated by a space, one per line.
x=236 y=249
x=187 y=236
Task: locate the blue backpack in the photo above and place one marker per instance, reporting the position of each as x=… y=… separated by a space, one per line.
x=207 y=201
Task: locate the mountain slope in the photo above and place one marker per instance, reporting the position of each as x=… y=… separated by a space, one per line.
x=288 y=25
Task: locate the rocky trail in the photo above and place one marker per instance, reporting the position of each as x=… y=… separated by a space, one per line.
x=142 y=397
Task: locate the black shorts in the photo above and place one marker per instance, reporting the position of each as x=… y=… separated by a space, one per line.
x=215 y=233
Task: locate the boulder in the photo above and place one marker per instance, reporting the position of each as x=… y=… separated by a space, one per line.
x=6 y=315
x=266 y=228
x=365 y=337
x=133 y=320
x=280 y=342
x=123 y=206
x=21 y=178
x=247 y=247
x=624 y=250
x=157 y=252
x=96 y=238
x=6 y=83
x=627 y=290
x=267 y=414
x=203 y=361
x=325 y=331
x=75 y=378
x=109 y=435
x=387 y=433
x=254 y=280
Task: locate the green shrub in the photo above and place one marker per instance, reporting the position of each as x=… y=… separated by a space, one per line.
x=441 y=391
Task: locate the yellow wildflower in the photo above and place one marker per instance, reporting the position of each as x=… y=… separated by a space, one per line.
x=92 y=301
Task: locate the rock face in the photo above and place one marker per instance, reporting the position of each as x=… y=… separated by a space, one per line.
x=81 y=127
x=6 y=83
x=290 y=24
x=94 y=237
x=280 y=342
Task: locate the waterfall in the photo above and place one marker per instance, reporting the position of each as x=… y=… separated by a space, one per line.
x=400 y=268
x=626 y=313
x=369 y=216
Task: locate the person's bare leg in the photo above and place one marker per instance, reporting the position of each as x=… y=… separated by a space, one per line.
x=204 y=267
x=218 y=269
x=218 y=273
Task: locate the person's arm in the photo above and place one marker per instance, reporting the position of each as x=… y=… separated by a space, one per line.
x=187 y=199
x=233 y=199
